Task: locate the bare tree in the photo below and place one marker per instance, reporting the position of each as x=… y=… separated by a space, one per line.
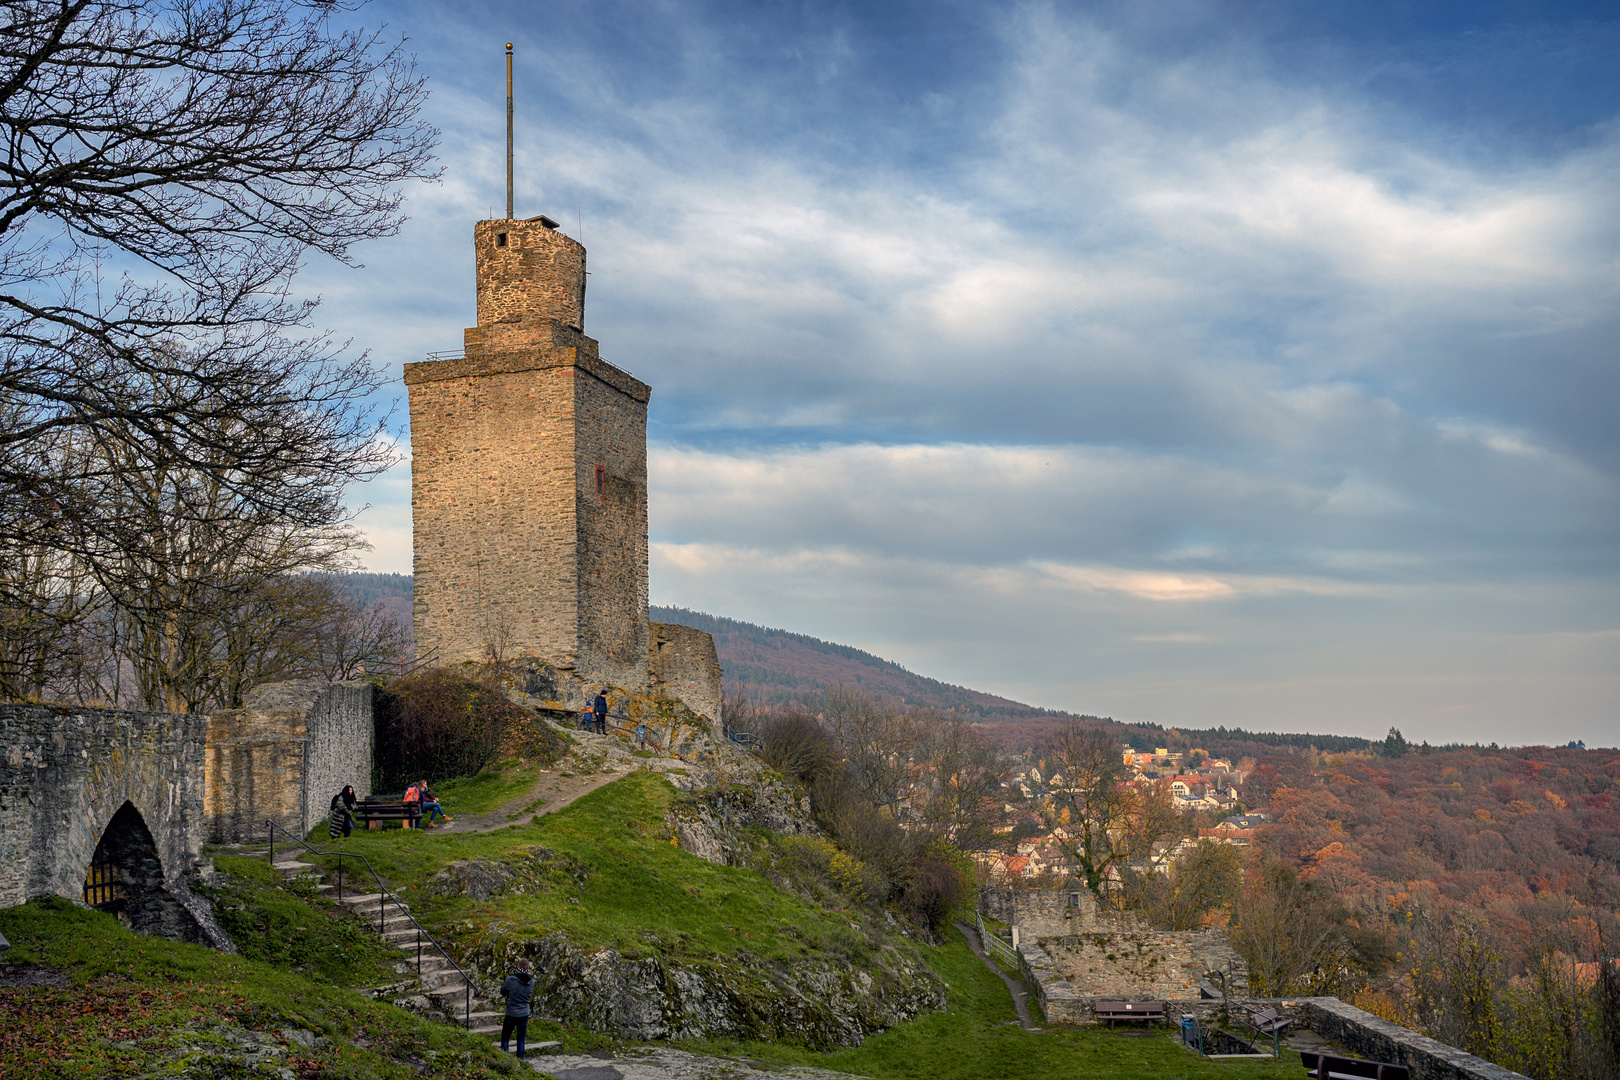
x=965 y=779
x=1201 y=879
x=168 y=165
x=1097 y=819
x=1286 y=930
x=878 y=741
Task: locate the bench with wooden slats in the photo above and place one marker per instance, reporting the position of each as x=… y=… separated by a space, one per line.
x=382 y=810
x=1128 y=1010
x=1329 y=1067
x=1268 y=1022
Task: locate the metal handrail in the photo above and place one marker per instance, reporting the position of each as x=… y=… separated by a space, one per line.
x=383 y=896
x=992 y=942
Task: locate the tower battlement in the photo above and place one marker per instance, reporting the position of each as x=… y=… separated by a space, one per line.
x=530 y=277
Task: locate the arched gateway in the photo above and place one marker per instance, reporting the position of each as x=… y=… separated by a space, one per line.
x=105 y=804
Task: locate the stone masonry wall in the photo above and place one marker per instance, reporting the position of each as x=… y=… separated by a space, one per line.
x=66 y=771
x=529 y=478
x=339 y=749
x=536 y=276
x=683 y=664
x=1040 y=913
x=492 y=501
x=1158 y=965
x=610 y=456
x=1077 y=954
x=283 y=755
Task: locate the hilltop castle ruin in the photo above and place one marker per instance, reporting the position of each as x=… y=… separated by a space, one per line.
x=529 y=489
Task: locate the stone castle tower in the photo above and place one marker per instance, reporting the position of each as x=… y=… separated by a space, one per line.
x=529 y=478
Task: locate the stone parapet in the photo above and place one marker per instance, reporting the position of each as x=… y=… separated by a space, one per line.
x=511 y=361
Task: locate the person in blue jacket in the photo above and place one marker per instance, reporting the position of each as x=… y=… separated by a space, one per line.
x=518 y=989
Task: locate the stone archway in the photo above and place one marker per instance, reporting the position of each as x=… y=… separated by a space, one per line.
x=125 y=877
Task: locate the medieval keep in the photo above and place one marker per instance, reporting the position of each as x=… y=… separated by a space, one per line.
x=529 y=488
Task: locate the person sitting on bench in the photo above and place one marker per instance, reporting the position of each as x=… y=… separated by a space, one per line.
x=413 y=806
x=430 y=806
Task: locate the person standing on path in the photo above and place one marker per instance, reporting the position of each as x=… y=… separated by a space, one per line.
x=518 y=989
x=599 y=706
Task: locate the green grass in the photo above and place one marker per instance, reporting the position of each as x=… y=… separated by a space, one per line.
x=135 y=1004
x=282 y=924
x=641 y=893
x=490 y=789
x=978 y=1038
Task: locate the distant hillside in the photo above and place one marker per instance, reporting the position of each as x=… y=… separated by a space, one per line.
x=777 y=665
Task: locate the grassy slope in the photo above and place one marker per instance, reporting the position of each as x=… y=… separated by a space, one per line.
x=641 y=892
x=135 y=1003
x=133 y=997
x=645 y=894
x=493 y=787
x=978 y=1038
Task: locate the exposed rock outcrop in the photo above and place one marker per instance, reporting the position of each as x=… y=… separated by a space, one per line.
x=819 y=1002
x=525 y=871
x=708 y=822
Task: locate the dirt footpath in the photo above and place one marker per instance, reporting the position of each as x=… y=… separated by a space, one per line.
x=593 y=761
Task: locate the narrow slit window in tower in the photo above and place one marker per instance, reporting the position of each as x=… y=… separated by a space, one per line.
x=500 y=239
x=601 y=482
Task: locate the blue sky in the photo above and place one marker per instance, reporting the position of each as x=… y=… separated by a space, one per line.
x=1199 y=363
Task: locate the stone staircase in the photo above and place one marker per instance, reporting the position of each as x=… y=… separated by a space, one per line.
x=440 y=982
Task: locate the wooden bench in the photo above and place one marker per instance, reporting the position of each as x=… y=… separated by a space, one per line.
x=374 y=811
x=1128 y=1010
x=1268 y=1022
x=1328 y=1067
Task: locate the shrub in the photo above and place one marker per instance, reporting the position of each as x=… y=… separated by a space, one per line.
x=439 y=723
x=796 y=744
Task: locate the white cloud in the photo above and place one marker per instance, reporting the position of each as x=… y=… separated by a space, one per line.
x=1146 y=351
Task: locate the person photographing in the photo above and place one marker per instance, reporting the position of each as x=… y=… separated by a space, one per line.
x=517 y=989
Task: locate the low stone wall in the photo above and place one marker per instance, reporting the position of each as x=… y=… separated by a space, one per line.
x=1362 y=1034
x=682 y=664
x=283 y=755
x=1379 y=1040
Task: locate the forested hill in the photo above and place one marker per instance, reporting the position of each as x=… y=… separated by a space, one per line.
x=778 y=665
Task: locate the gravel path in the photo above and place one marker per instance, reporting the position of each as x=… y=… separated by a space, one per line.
x=660 y=1063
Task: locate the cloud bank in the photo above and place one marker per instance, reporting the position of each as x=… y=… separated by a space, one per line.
x=1116 y=362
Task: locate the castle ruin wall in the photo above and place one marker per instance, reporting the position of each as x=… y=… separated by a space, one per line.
x=67 y=774
x=283 y=755
x=682 y=664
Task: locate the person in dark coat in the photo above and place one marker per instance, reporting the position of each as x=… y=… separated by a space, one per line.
x=518 y=989
x=599 y=706
x=342 y=821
